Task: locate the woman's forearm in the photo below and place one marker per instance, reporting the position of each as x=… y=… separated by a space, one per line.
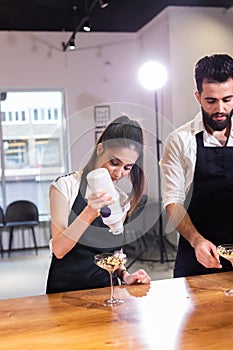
x=64 y=240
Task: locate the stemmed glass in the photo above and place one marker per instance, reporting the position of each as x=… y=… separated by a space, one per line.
x=226 y=251
x=111 y=262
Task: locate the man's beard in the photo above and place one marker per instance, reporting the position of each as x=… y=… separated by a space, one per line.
x=216 y=125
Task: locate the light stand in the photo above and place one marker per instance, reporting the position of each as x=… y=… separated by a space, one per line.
x=158 y=144
x=152 y=76
x=3 y=96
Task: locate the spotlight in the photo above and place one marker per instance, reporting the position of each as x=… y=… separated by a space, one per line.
x=72 y=44
x=103 y=3
x=87 y=26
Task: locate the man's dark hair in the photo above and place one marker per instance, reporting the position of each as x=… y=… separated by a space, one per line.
x=215 y=68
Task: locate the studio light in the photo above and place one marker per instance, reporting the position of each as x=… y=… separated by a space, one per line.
x=152 y=76
x=103 y=3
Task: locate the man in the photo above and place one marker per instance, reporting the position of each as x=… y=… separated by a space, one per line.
x=197 y=169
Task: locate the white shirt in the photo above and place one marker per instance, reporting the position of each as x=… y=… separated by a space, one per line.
x=69 y=185
x=179 y=159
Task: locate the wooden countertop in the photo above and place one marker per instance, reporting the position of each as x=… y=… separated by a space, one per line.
x=183 y=314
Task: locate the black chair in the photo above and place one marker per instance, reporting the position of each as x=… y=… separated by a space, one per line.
x=21 y=214
x=2 y=224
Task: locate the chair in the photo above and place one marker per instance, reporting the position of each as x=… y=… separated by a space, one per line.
x=21 y=214
x=2 y=224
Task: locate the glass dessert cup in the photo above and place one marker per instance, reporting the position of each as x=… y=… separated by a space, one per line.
x=226 y=251
x=111 y=262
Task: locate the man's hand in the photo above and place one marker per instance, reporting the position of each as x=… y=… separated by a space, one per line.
x=206 y=253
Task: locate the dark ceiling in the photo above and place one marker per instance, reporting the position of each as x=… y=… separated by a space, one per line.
x=59 y=15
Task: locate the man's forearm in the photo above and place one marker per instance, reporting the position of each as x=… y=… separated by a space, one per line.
x=180 y=219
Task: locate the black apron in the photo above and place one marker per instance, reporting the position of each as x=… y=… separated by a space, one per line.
x=76 y=270
x=209 y=205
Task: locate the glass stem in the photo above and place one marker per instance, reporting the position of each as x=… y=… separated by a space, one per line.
x=111 y=285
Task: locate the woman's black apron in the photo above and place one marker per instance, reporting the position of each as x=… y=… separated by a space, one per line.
x=76 y=270
x=210 y=207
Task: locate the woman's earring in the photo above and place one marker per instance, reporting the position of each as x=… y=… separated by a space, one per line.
x=99 y=149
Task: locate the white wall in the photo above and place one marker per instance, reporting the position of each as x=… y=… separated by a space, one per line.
x=101 y=70
x=178 y=37
x=105 y=68
x=194 y=33
x=153 y=44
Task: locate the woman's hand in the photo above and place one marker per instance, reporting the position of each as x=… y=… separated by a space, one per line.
x=99 y=200
x=137 y=277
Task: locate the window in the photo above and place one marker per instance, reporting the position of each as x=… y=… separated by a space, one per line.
x=3 y=116
x=45 y=115
x=35 y=114
x=33 y=143
x=48 y=152
x=16 y=117
x=16 y=153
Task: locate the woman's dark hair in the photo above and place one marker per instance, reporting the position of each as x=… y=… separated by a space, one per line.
x=125 y=133
x=215 y=68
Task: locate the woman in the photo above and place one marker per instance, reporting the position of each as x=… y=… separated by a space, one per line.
x=78 y=232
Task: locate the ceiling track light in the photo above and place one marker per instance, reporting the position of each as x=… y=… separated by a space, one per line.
x=87 y=25
x=103 y=3
x=72 y=44
x=85 y=22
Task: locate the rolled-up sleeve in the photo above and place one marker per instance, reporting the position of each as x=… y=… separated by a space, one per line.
x=177 y=167
x=179 y=159
x=68 y=185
